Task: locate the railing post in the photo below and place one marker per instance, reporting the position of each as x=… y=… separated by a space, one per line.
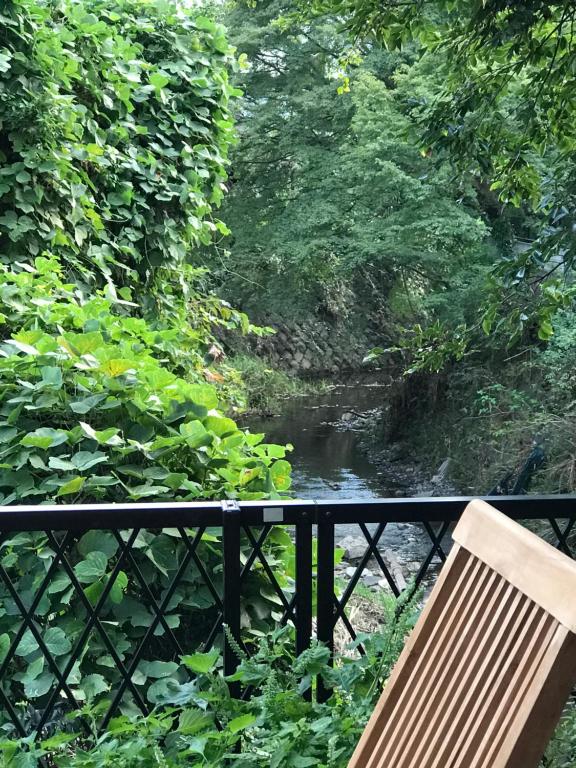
x=232 y=591
x=303 y=585
x=325 y=590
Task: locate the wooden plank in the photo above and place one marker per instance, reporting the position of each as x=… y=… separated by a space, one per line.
x=445 y=586
x=442 y=671
x=484 y=728
x=439 y=732
x=545 y=575
x=542 y=707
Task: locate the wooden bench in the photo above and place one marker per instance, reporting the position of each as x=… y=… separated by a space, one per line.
x=489 y=666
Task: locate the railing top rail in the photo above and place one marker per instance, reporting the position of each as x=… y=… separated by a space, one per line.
x=190 y=514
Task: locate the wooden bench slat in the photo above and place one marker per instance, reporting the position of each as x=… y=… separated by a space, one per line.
x=438 y=735
x=542 y=572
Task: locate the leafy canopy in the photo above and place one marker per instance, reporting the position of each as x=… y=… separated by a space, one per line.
x=505 y=112
x=333 y=210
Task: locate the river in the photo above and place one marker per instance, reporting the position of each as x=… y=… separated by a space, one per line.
x=329 y=463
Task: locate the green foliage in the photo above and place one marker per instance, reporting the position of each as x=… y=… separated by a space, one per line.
x=113 y=135
x=426 y=349
x=114 y=129
x=332 y=206
x=502 y=109
x=113 y=585
x=275 y=728
x=97 y=404
x=266 y=388
x=113 y=141
x=561 y=752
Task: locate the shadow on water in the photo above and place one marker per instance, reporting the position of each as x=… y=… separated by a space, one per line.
x=327 y=461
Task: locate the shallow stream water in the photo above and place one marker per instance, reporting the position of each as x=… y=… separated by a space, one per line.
x=328 y=461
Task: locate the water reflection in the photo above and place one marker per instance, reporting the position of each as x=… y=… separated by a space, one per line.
x=327 y=460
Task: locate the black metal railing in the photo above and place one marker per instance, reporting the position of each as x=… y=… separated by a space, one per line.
x=227 y=552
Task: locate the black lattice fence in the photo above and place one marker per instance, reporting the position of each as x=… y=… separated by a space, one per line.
x=101 y=603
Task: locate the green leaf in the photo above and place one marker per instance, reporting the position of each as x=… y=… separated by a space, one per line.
x=56 y=641
x=158 y=669
x=40 y=685
x=56 y=463
x=45 y=437
x=220 y=426
x=72 y=486
x=57 y=741
x=193 y=721
x=103 y=437
x=4 y=645
x=86 y=405
x=201 y=663
x=280 y=473
x=102 y=541
x=119 y=588
x=195 y=434
x=159 y=79
x=92 y=568
x=93 y=685
x=242 y=722
x=203 y=395
x=84 y=460
x=27 y=644
x=51 y=376
x=22 y=347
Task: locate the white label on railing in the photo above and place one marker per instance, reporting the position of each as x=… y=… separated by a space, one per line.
x=273 y=515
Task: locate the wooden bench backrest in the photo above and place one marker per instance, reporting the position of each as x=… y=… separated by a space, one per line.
x=484 y=676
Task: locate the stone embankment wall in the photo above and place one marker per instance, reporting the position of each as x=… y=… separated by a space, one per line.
x=315 y=347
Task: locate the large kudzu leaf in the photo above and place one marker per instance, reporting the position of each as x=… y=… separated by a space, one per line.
x=104 y=541
x=280 y=473
x=72 y=486
x=45 y=437
x=84 y=460
x=220 y=426
x=27 y=645
x=56 y=641
x=93 y=685
x=40 y=685
x=51 y=376
x=158 y=669
x=92 y=568
x=87 y=404
x=195 y=434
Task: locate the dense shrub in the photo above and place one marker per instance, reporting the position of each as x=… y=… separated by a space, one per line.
x=276 y=728
x=97 y=404
x=113 y=138
x=114 y=132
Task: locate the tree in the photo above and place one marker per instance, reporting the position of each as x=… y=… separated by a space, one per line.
x=333 y=211
x=506 y=112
